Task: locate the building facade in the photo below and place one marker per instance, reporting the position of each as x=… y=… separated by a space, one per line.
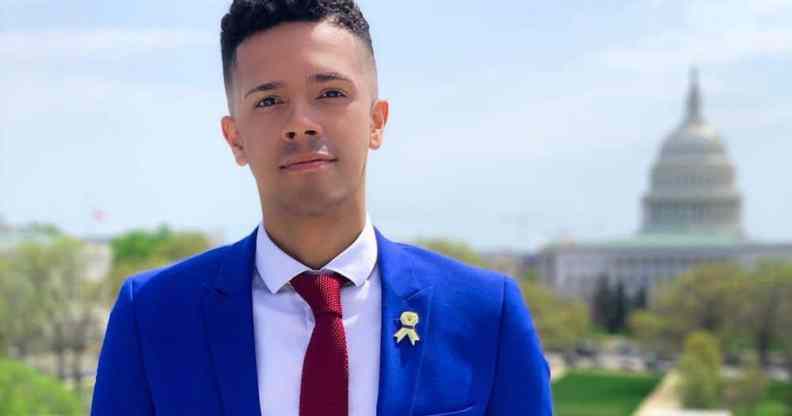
x=691 y=215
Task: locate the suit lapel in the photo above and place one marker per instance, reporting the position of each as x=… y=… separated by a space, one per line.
x=228 y=316
x=402 y=290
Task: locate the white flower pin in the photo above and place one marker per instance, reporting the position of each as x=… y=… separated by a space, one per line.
x=408 y=320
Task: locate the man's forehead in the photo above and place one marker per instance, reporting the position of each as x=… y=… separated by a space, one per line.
x=295 y=51
x=294 y=42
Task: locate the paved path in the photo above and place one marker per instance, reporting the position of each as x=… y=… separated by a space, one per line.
x=557 y=367
x=664 y=401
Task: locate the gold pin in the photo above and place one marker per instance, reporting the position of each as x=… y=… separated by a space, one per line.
x=408 y=320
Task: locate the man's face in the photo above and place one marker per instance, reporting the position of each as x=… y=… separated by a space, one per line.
x=304 y=92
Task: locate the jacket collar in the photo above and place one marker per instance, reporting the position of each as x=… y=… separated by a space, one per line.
x=228 y=315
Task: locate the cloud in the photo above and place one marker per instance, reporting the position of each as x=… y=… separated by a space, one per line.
x=710 y=32
x=681 y=49
x=111 y=43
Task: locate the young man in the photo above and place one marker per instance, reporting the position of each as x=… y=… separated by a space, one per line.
x=315 y=312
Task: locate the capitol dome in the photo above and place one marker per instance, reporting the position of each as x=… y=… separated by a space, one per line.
x=692 y=183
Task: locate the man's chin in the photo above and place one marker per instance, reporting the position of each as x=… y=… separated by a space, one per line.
x=314 y=204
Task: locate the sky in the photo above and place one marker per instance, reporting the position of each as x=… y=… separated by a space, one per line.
x=510 y=126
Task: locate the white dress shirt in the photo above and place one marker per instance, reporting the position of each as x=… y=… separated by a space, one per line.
x=283 y=323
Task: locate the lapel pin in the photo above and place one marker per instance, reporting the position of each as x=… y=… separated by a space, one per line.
x=408 y=320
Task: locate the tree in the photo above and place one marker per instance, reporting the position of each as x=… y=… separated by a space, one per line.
x=140 y=250
x=60 y=310
x=611 y=305
x=561 y=323
x=24 y=391
x=530 y=274
x=21 y=300
x=640 y=300
x=699 y=369
x=618 y=319
x=601 y=302
x=783 y=325
x=745 y=392
x=456 y=249
x=707 y=298
x=768 y=290
x=653 y=332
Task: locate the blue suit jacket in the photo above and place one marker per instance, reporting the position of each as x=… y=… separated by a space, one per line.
x=180 y=340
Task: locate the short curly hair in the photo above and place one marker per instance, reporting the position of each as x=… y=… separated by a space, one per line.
x=248 y=17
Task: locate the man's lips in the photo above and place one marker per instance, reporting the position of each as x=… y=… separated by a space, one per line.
x=308 y=164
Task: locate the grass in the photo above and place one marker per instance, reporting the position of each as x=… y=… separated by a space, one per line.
x=776 y=401
x=601 y=393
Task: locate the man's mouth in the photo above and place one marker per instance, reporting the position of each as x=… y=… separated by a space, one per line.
x=308 y=165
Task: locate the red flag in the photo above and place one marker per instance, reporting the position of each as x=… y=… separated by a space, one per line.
x=99 y=215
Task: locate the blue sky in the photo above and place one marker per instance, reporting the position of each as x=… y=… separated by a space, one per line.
x=510 y=126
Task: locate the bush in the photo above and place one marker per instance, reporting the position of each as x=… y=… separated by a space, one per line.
x=744 y=394
x=699 y=369
x=25 y=391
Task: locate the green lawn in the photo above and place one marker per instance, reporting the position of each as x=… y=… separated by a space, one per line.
x=601 y=393
x=775 y=402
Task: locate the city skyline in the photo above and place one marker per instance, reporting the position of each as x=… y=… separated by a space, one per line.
x=538 y=134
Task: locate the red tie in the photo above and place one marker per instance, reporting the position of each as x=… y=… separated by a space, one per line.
x=325 y=374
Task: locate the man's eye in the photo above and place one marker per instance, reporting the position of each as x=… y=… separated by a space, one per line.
x=332 y=94
x=268 y=101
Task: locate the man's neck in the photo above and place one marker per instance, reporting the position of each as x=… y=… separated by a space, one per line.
x=315 y=241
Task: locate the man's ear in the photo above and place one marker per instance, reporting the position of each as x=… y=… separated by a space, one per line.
x=379 y=117
x=234 y=140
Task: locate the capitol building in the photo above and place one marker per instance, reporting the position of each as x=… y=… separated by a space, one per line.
x=691 y=214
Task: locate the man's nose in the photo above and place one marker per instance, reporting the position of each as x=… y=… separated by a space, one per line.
x=291 y=135
x=302 y=122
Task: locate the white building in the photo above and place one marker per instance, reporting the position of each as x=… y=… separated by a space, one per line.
x=692 y=214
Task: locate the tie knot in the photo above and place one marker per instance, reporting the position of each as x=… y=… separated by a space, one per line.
x=321 y=291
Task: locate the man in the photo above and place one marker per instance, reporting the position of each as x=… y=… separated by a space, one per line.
x=315 y=312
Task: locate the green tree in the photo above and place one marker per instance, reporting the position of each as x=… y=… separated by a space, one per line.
x=530 y=274
x=6 y=311
x=611 y=305
x=640 y=300
x=140 y=250
x=561 y=323
x=745 y=392
x=55 y=309
x=767 y=292
x=654 y=333
x=601 y=303
x=707 y=298
x=783 y=325
x=24 y=391
x=456 y=249
x=699 y=369
x=22 y=299
x=617 y=320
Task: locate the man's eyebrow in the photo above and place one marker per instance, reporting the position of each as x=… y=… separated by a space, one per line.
x=320 y=77
x=329 y=76
x=267 y=86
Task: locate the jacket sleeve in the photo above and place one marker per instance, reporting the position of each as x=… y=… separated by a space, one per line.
x=522 y=375
x=121 y=387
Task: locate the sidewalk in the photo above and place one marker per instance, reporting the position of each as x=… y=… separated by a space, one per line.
x=557 y=367
x=664 y=401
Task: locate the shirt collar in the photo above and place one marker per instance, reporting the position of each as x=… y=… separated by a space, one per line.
x=277 y=268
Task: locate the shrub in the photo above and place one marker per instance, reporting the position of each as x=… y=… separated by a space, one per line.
x=744 y=394
x=25 y=391
x=699 y=368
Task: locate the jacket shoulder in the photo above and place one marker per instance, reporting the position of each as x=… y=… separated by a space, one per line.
x=182 y=276
x=454 y=276
x=426 y=257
